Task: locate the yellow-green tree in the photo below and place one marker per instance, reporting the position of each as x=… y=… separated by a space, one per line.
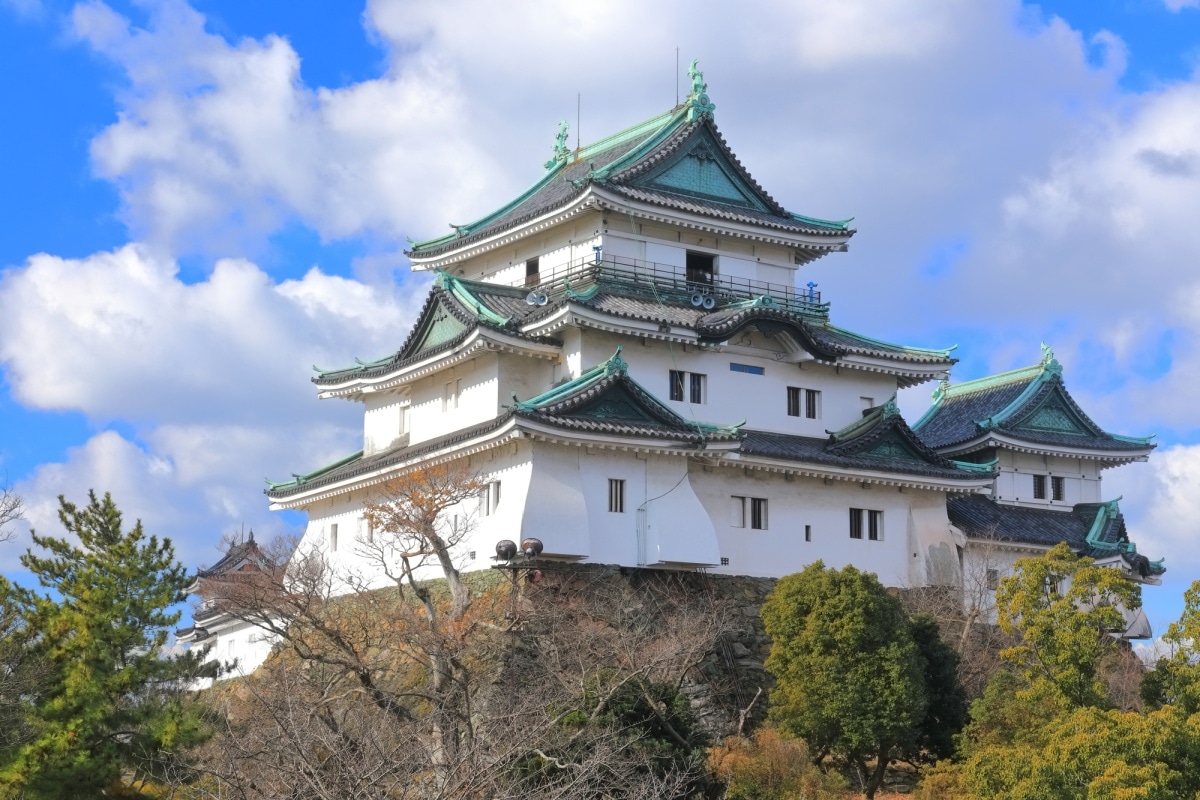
x=1066 y=612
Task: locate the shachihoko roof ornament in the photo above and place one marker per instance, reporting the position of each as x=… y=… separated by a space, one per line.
x=697 y=100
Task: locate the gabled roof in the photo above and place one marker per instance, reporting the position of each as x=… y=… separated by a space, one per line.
x=1029 y=406
x=606 y=400
x=1096 y=530
x=452 y=312
x=675 y=160
x=879 y=441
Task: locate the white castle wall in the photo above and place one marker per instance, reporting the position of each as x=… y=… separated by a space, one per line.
x=1081 y=479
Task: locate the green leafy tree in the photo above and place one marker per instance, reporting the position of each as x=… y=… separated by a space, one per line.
x=1175 y=681
x=1066 y=612
x=946 y=713
x=111 y=704
x=851 y=678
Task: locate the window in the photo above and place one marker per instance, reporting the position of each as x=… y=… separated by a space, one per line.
x=1052 y=587
x=868 y=519
x=489 y=498
x=1039 y=487
x=749 y=512
x=746 y=368
x=992 y=579
x=333 y=538
x=366 y=532
x=533 y=275
x=403 y=420
x=724 y=561
x=690 y=385
x=867 y=402
x=700 y=268
x=875 y=526
x=616 y=495
x=450 y=394
x=806 y=400
x=808 y=533
x=1058 y=488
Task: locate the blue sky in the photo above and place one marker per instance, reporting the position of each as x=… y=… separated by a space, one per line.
x=202 y=201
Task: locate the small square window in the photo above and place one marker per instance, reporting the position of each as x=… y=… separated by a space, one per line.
x=1039 y=487
x=875 y=526
x=808 y=533
x=616 y=495
x=748 y=512
x=724 y=561
x=1058 y=488
x=533 y=274
x=697 y=381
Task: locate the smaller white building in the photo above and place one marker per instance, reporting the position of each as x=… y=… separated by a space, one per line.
x=239 y=646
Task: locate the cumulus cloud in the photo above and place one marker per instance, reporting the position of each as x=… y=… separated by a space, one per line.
x=218 y=144
x=117 y=335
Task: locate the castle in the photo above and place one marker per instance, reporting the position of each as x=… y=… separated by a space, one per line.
x=623 y=357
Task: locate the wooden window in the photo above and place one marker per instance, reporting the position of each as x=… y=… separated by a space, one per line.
x=793 y=401
x=333 y=538
x=868 y=520
x=450 y=394
x=700 y=268
x=616 y=495
x=533 y=275
x=677 y=379
x=1058 y=488
x=758 y=513
x=992 y=579
x=808 y=533
x=748 y=512
x=856 y=523
x=489 y=498
x=875 y=525
x=689 y=385
x=1039 y=487
x=812 y=404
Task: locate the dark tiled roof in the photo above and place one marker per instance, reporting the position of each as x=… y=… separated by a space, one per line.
x=1030 y=405
x=982 y=518
x=504 y=301
x=238 y=553
x=881 y=441
x=621 y=163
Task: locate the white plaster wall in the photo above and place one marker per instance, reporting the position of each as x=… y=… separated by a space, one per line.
x=382 y=419
x=554 y=508
x=523 y=376
x=781 y=549
x=478 y=399
x=760 y=400
x=555 y=247
x=1081 y=479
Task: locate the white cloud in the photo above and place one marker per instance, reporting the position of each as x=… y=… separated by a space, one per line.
x=117 y=335
x=1179 y=5
x=218 y=144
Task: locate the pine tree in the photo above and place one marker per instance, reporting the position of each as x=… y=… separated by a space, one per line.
x=110 y=704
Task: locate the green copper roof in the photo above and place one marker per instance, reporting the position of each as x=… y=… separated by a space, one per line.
x=298 y=480
x=916 y=351
x=614 y=364
x=650 y=162
x=463 y=294
x=1107 y=513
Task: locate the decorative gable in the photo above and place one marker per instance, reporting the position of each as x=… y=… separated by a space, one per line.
x=1054 y=415
x=617 y=404
x=894 y=446
x=438 y=327
x=700 y=168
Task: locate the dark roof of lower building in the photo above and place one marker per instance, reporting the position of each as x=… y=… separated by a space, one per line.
x=1030 y=405
x=1096 y=530
x=880 y=441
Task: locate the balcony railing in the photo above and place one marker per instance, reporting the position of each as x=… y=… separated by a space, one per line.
x=667 y=281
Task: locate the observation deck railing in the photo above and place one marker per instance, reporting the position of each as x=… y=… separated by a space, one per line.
x=677 y=283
